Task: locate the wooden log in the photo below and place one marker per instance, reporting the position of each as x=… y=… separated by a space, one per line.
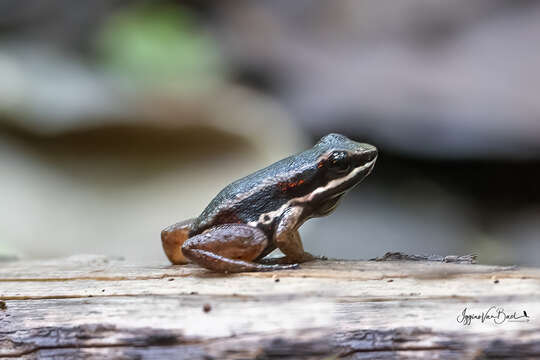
x=93 y=306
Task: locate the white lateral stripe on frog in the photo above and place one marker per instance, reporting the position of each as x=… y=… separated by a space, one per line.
x=268 y=218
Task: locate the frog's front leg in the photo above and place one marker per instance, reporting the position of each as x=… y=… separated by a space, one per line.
x=172 y=239
x=230 y=248
x=287 y=238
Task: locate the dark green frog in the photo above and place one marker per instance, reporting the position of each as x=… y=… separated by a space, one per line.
x=263 y=211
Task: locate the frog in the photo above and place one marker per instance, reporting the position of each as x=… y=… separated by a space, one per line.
x=261 y=212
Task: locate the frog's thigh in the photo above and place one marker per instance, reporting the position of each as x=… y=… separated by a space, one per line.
x=229 y=248
x=288 y=239
x=172 y=239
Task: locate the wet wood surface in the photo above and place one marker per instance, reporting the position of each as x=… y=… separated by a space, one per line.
x=95 y=307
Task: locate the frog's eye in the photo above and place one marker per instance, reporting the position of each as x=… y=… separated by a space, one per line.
x=339 y=161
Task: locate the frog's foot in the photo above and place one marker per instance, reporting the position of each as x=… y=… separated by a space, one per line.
x=230 y=248
x=305 y=257
x=172 y=239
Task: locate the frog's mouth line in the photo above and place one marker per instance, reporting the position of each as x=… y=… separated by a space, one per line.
x=337 y=183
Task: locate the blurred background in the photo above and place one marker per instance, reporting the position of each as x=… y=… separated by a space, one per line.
x=121 y=117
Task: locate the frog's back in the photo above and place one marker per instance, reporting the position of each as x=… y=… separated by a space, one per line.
x=245 y=199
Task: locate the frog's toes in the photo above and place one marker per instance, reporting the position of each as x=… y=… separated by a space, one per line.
x=286 y=267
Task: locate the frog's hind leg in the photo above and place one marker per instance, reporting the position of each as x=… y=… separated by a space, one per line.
x=230 y=248
x=172 y=239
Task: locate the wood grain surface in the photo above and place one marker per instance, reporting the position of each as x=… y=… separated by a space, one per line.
x=95 y=307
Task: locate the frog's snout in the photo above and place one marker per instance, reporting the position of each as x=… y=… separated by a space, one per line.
x=371 y=153
x=366 y=153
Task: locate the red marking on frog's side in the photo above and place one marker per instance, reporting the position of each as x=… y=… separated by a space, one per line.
x=284 y=186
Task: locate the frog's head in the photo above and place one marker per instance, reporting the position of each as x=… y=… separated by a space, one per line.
x=341 y=164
